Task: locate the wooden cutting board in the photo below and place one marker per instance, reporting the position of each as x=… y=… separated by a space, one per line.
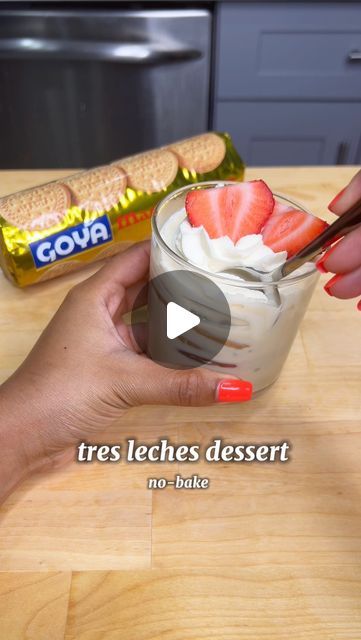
x=268 y=551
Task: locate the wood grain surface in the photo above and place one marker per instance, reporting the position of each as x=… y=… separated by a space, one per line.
x=268 y=551
x=34 y=606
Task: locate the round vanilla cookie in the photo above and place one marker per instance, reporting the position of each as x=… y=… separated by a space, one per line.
x=60 y=269
x=36 y=209
x=201 y=154
x=151 y=172
x=112 y=249
x=98 y=189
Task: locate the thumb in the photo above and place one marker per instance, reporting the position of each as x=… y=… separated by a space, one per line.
x=153 y=384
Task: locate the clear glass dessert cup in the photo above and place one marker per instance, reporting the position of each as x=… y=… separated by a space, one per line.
x=262 y=331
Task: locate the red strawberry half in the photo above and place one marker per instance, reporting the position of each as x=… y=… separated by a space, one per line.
x=281 y=208
x=290 y=229
x=234 y=210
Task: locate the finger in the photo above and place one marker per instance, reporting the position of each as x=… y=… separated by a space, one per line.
x=343 y=257
x=348 y=196
x=126 y=268
x=345 y=286
x=134 y=337
x=150 y=383
x=136 y=296
x=122 y=271
x=134 y=299
x=139 y=336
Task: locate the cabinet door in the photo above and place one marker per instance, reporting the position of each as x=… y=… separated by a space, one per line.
x=292 y=133
x=289 y=50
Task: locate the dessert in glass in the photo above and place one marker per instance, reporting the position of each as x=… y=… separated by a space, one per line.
x=210 y=227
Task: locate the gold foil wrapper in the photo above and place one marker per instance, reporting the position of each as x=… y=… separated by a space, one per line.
x=62 y=225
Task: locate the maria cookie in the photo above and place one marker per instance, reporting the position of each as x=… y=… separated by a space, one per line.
x=201 y=154
x=112 y=249
x=36 y=209
x=98 y=189
x=150 y=172
x=60 y=269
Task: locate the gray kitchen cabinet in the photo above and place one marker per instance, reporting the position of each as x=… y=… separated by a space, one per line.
x=288 y=81
x=292 y=133
x=358 y=155
x=291 y=50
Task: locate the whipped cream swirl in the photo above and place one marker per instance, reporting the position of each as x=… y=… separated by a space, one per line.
x=194 y=244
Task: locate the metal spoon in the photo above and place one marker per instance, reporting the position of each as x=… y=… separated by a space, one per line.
x=339 y=228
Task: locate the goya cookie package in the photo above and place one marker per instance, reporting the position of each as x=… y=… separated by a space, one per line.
x=60 y=226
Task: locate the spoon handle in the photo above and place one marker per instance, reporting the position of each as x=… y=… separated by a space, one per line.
x=340 y=227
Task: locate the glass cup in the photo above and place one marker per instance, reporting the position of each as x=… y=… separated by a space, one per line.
x=263 y=323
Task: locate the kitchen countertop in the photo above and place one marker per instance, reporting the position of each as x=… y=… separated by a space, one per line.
x=265 y=550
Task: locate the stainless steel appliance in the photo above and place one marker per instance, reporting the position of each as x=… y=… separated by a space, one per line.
x=83 y=87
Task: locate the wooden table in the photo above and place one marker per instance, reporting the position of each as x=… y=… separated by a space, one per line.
x=267 y=552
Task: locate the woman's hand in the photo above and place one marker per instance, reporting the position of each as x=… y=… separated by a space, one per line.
x=86 y=369
x=344 y=258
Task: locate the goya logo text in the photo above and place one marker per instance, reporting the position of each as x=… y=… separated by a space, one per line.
x=69 y=242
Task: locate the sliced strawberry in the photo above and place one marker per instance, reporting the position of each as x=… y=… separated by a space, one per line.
x=203 y=208
x=290 y=229
x=234 y=210
x=279 y=207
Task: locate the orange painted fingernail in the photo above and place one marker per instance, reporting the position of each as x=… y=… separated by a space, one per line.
x=359 y=305
x=336 y=198
x=331 y=283
x=329 y=243
x=234 y=391
x=320 y=264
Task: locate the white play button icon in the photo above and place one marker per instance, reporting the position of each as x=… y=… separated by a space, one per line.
x=188 y=321
x=179 y=320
